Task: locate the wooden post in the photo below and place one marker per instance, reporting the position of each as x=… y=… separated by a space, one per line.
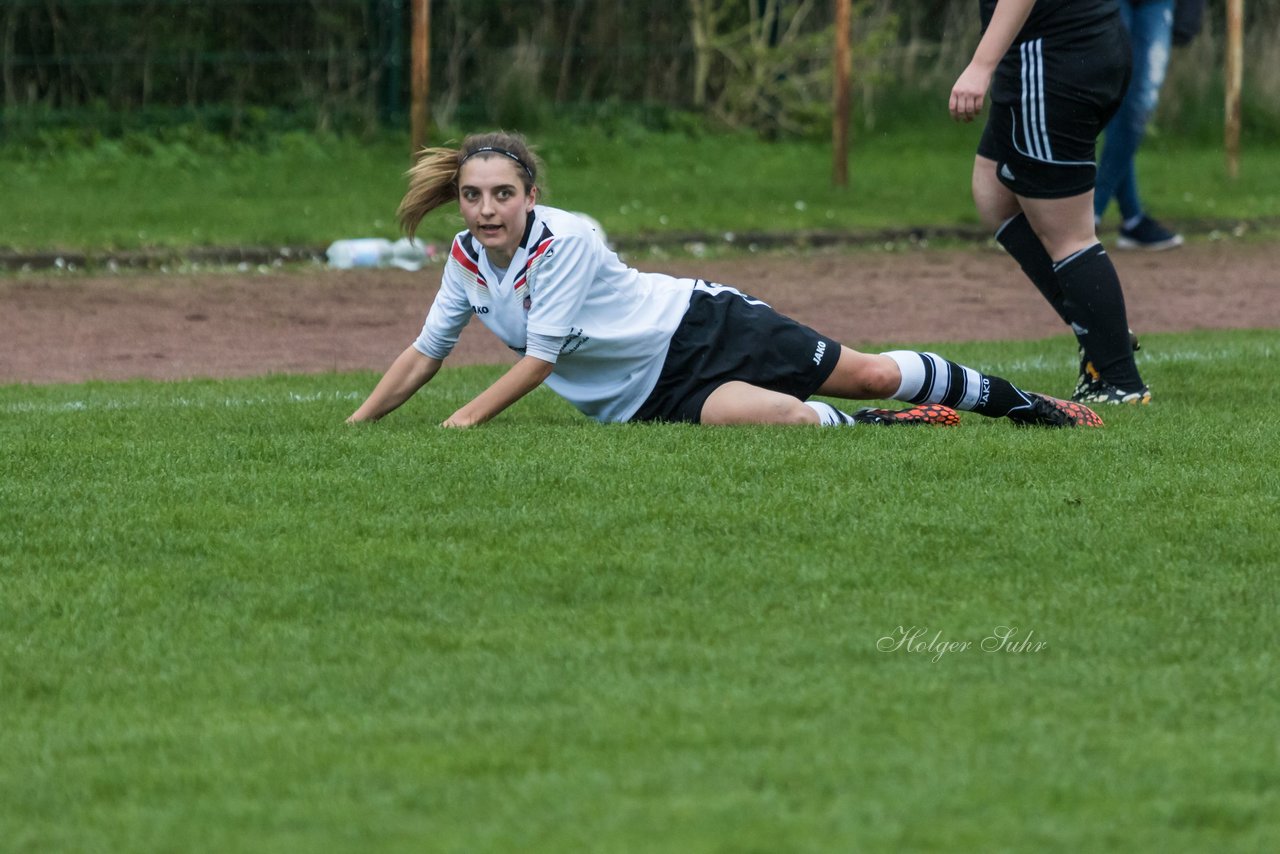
x=1235 y=76
x=843 y=66
x=420 y=84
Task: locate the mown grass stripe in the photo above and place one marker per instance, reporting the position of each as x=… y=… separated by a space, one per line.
x=249 y=627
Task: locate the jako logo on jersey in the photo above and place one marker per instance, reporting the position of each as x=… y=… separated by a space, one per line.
x=986 y=392
x=573 y=341
x=480 y=309
x=817 y=355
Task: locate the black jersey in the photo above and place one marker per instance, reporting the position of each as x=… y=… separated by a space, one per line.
x=1055 y=18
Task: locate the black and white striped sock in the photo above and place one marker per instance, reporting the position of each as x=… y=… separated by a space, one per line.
x=929 y=378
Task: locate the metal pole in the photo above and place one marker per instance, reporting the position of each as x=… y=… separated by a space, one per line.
x=1235 y=77
x=421 y=75
x=843 y=62
x=392 y=25
x=387 y=57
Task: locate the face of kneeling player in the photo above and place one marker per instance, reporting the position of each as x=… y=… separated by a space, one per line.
x=495 y=204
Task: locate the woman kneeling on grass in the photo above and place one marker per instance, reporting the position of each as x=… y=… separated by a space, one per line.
x=622 y=345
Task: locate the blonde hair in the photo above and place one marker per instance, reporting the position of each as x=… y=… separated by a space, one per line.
x=433 y=179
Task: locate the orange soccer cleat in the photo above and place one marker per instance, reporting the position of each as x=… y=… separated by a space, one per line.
x=932 y=414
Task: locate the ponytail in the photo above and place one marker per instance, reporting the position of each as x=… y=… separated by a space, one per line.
x=433 y=180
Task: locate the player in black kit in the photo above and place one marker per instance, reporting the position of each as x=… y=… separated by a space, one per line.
x=1057 y=72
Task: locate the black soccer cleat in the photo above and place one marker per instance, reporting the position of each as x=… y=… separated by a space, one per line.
x=1090 y=383
x=1048 y=411
x=1105 y=393
x=931 y=414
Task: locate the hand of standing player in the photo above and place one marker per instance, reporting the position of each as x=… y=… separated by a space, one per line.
x=970 y=90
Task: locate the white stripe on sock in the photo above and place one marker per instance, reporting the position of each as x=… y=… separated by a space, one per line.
x=1005 y=224
x=941 y=378
x=1058 y=265
x=911 y=364
x=972 y=388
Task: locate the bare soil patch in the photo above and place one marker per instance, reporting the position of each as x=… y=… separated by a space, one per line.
x=71 y=328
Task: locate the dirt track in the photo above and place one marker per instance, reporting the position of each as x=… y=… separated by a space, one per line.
x=72 y=328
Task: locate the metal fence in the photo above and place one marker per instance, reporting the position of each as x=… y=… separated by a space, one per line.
x=237 y=66
x=323 y=63
x=129 y=61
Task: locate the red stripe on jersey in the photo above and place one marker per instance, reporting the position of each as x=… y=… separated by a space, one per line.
x=544 y=243
x=460 y=255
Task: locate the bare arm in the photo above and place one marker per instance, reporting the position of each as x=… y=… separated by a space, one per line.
x=523 y=377
x=971 y=87
x=409 y=372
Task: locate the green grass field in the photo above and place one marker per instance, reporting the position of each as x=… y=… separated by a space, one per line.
x=299 y=189
x=229 y=622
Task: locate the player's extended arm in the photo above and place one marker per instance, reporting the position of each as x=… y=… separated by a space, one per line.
x=523 y=377
x=971 y=87
x=409 y=372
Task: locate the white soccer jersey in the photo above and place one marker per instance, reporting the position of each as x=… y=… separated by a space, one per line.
x=614 y=322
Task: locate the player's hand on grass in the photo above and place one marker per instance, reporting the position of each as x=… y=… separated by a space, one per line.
x=970 y=91
x=458 y=422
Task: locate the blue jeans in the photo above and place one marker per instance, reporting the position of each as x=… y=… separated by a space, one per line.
x=1151 y=32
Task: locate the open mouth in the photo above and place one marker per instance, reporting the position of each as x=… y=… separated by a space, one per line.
x=489 y=229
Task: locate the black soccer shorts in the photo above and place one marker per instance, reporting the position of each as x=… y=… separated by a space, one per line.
x=1050 y=100
x=725 y=336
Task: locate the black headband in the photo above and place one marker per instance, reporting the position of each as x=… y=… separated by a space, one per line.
x=504 y=153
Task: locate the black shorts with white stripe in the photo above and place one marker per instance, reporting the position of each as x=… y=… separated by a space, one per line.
x=1050 y=99
x=728 y=336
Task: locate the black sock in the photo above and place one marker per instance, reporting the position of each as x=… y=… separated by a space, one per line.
x=929 y=378
x=1019 y=239
x=1096 y=303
